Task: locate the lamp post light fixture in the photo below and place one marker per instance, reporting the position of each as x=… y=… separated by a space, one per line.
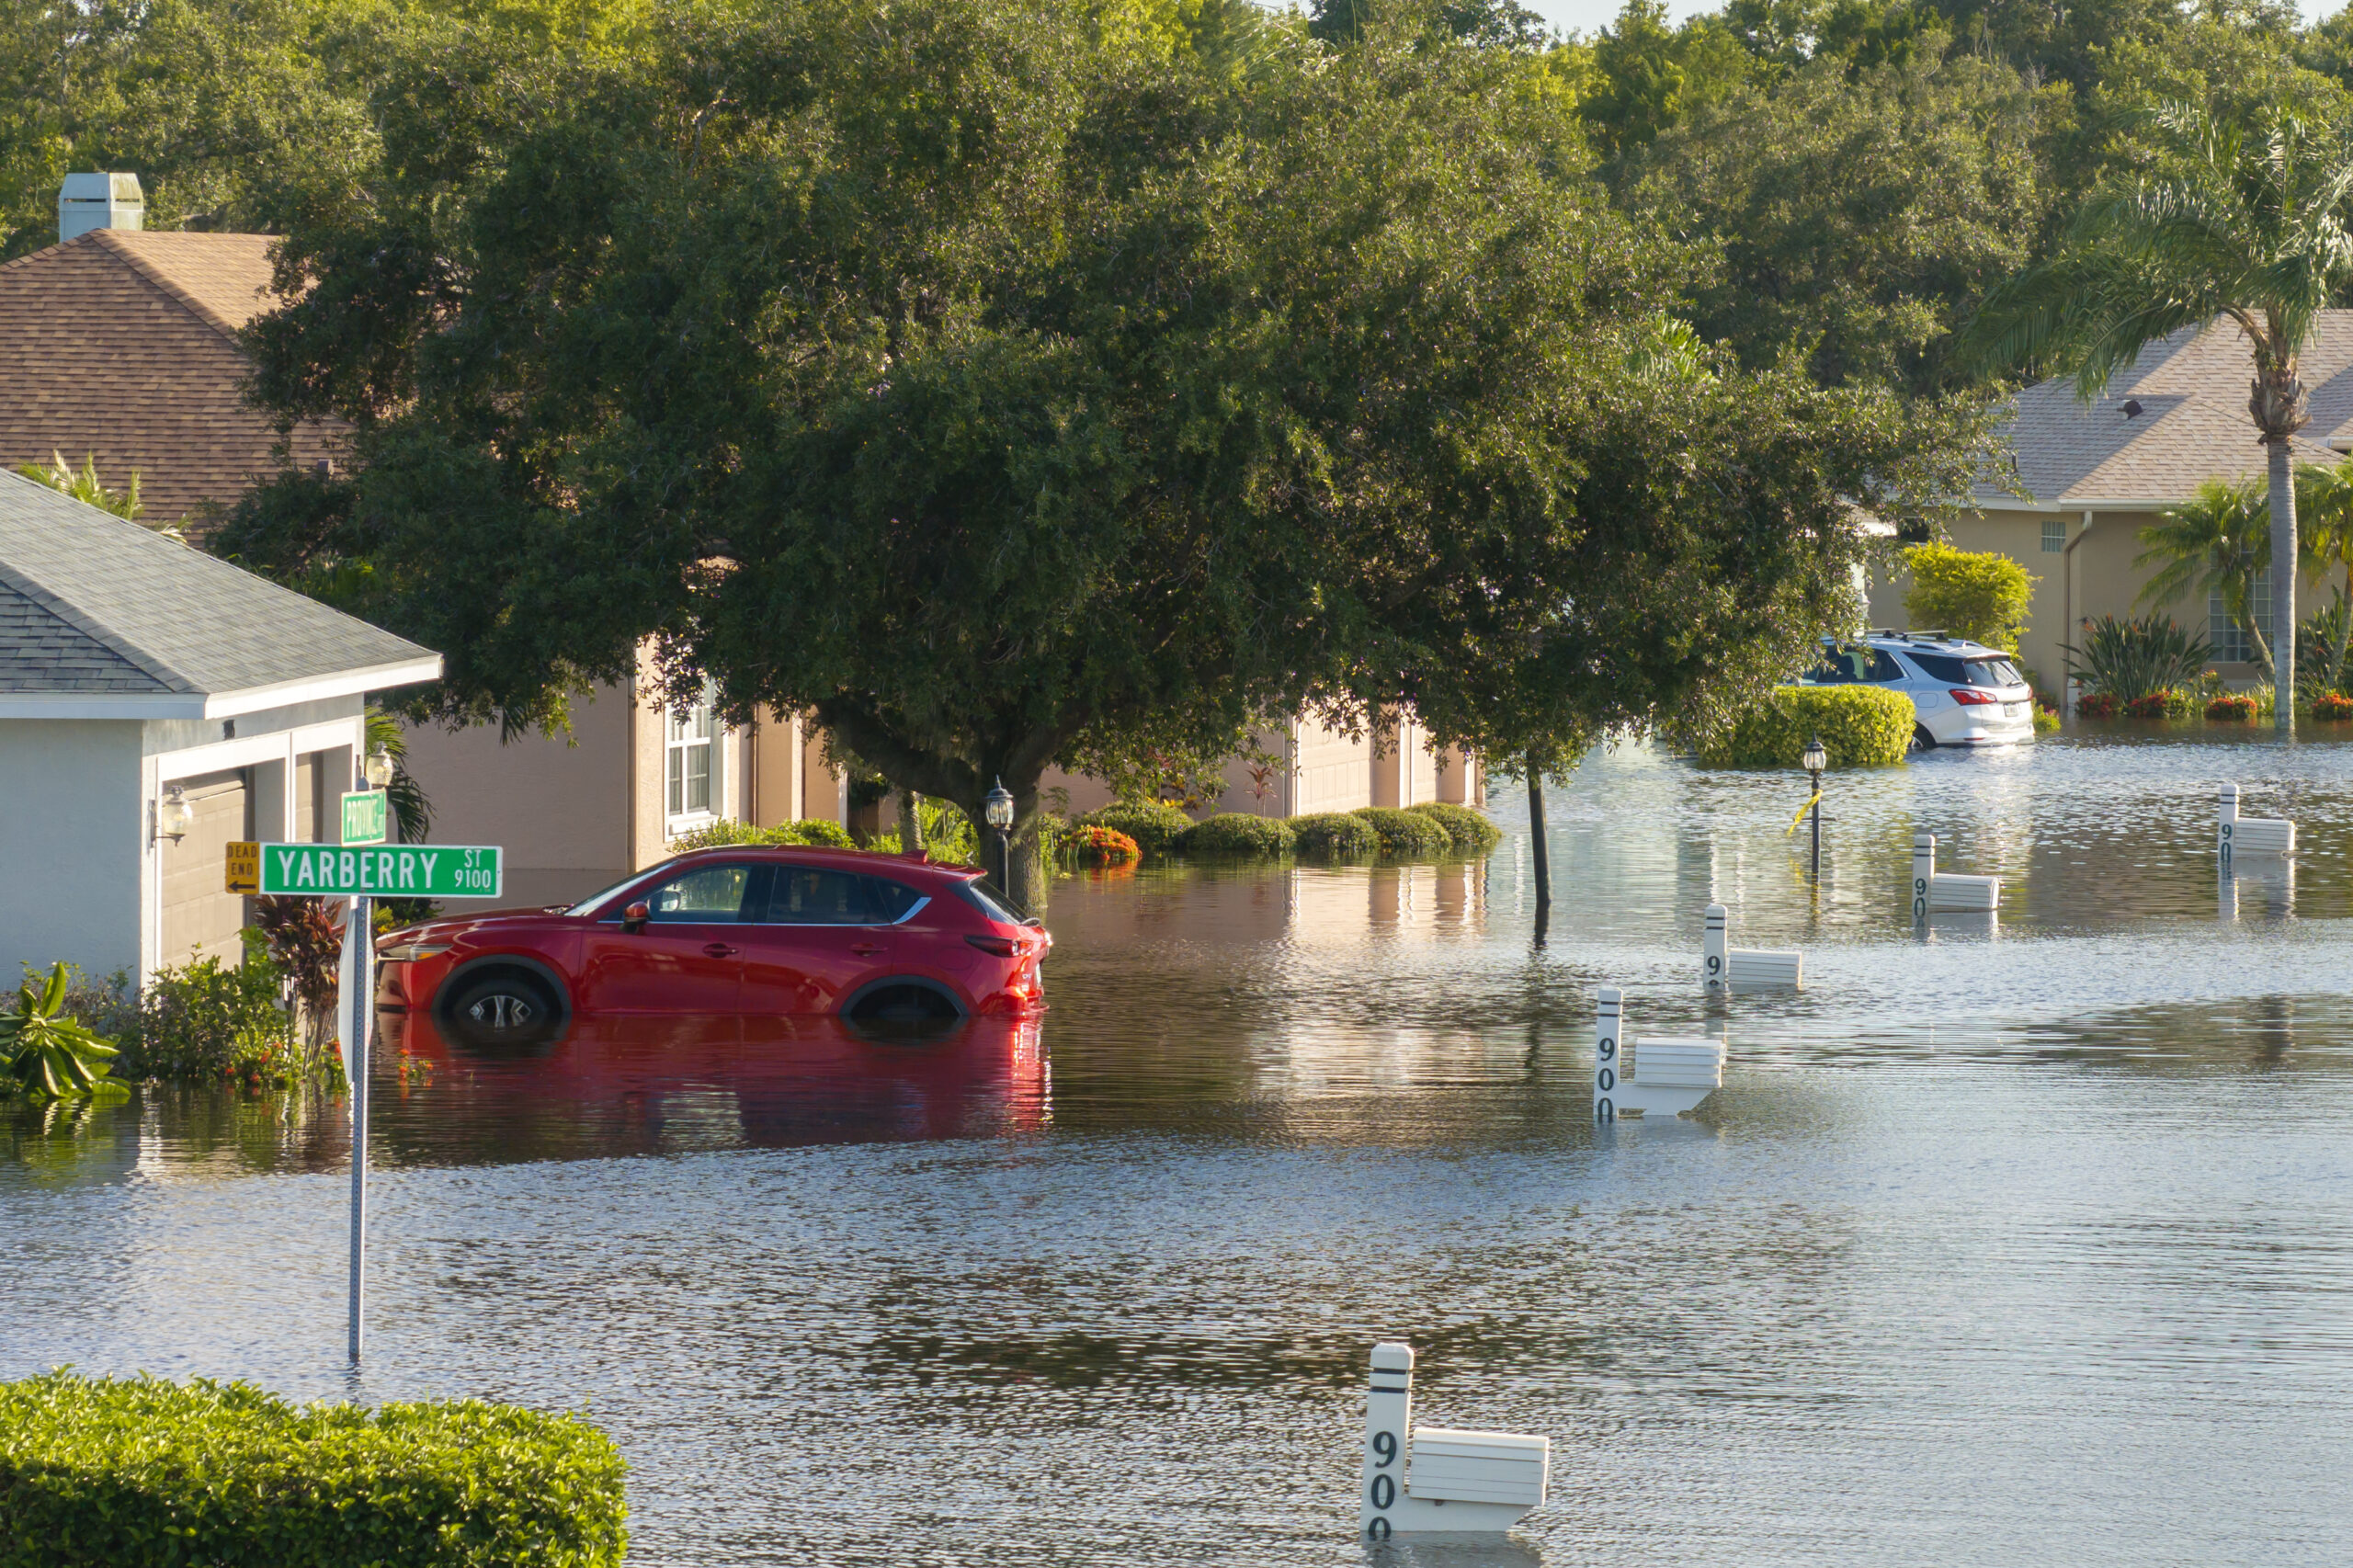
x=174 y=815
x=1815 y=760
x=998 y=808
x=378 y=769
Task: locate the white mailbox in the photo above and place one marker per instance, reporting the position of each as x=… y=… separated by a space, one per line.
x=2251 y=835
x=1722 y=965
x=1438 y=1480
x=1933 y=889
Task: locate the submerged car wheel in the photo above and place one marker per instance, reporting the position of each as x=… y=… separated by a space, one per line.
x=504 y=1009
x=1921 y=739
x=905 y=1013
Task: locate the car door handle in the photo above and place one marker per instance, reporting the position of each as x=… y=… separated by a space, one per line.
x=718 y=951
x=866 y=950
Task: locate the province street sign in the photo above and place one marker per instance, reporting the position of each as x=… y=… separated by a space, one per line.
x=366 y=816
x=385 y=870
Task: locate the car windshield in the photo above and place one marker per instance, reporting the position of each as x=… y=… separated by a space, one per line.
x=1967 y=672
x=587 y=906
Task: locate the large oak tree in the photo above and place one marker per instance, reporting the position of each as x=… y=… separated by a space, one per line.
x=1004 y=382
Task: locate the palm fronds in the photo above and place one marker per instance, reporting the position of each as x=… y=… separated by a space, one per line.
x=48 y=1055
x=2218 y=542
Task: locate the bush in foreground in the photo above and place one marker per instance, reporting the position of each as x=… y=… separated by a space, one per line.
x=1238 y=833
x=1860 y=726
x=1335 y=835
x=1155 y=825
x=2233 y=709
x=1404 y=834
x=2334 y=707
x=139 y=1470
x=1469 y=831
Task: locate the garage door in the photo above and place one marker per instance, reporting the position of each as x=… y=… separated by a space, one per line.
x=200 y=920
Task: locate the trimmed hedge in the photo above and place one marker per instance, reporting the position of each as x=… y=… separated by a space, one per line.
x=1103 y=846
x=1860 y=726
x=814 y=831
x=1404 y=832
x=1154 y=825
x=1469 y=832
x=141 y=1470
x=1237 y=832
x=1335 y=835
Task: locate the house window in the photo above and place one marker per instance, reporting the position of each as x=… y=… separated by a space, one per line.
x=2054 y=537
x=692 y=757
x=2231 y=643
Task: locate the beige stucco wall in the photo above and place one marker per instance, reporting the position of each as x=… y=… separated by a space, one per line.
x=2097 y=577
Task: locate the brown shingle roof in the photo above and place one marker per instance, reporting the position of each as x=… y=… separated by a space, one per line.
x=120 y=345
x=2193 y=423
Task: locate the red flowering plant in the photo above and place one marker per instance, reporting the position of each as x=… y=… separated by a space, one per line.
x=1103 y=846
x=2152 y=705
x=2334 y=706
x=2235 y=707
x=2095 y=705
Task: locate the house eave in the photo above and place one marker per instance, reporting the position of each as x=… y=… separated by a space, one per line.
x=140 y=705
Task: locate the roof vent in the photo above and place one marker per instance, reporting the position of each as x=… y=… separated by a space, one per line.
x=98 y=201
x=2131 y=406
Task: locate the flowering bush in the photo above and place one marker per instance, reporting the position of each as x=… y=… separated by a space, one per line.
x=2333 y=705
x=2154 y=705
x=1103 y=846
x=2097 y=704
x=2236 y=707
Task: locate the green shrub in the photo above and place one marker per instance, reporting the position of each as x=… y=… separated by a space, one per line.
x=141 y=1470
x=1469 y=832
x=1406 y=835
x=1335 y=835
x=205 y=1020
x=2139 y=656
x=727 y=831
x=1980 y=594
x=1860 y=726
x=1237 y=832
x=1154 y=825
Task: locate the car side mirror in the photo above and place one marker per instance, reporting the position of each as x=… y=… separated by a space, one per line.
x=634 y=917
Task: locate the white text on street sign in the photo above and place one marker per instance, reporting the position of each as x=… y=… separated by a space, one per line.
x=386 y=871
x=366 y=815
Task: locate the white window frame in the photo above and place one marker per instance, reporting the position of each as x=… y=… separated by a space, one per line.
x=677 y=743
x=2055 y=536
x=2232 y=644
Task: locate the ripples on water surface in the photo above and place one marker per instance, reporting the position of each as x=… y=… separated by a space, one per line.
x=2026 y=1243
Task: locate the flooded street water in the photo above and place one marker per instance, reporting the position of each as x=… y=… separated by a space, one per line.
x=2011 y=1242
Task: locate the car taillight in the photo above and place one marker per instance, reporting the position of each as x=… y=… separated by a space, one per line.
x=1002 y=947
x=1973 y=698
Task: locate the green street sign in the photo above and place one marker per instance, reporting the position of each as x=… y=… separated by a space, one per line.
x=389 y=870
x=366 y=816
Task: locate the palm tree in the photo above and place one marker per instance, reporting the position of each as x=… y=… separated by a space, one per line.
x=2218 y=542
x=2325 y=520
x=2239 y=219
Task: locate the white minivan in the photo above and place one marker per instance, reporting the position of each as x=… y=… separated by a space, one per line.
x=1963 y=693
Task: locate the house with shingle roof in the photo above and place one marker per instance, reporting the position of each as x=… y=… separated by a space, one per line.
x=2095 y=475
x=135 y=671
x=121 y=345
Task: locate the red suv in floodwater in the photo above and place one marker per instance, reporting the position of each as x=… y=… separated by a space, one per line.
x=873 y=937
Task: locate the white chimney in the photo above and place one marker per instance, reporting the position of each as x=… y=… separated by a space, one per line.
x=98 y=201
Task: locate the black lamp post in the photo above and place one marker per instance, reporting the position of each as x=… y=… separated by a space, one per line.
x=1815 y=760
x=998 y=807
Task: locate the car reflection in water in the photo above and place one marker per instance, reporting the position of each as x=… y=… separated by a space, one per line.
x=638 y=1084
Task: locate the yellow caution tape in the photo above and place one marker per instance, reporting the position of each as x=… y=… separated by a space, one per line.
x=1801 y=816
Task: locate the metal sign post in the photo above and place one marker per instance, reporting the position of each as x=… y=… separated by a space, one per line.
x=358 y=1014
x=360 y=869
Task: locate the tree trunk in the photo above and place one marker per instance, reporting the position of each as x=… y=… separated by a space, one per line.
x=2283 y=588
x=1536 y=838
x=910 y=824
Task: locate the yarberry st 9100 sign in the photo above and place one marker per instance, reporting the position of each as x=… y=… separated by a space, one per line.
x=383 y=870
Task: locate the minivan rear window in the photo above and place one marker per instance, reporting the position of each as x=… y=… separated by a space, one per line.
x=1967 y=672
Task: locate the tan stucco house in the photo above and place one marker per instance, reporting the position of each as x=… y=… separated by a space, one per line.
x=2095 y=475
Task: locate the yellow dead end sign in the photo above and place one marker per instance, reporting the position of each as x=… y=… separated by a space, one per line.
x=244 y=867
